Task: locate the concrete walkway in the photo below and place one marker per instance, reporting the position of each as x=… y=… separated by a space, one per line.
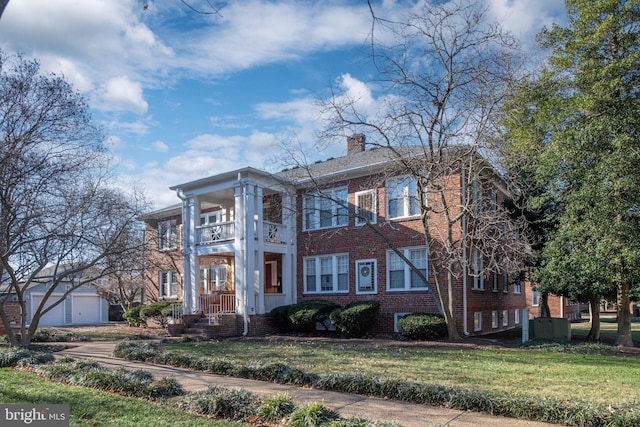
x=347 y=405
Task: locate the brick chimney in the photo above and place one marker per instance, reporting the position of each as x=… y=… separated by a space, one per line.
x=355 y=143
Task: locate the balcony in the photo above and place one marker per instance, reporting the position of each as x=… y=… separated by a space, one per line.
x=220 y=232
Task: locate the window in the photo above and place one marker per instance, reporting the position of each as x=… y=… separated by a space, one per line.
x=476 y=198
x=505 y=317
x=402 y=197
x=399 y=274
x=494 y=277
x=535 y=298
x=397 y=317
x=366 y=207
x=213 y=279
x=477 y=321
x=167 y=235
x=477 y=266
x=326 y=209
x=516 y=317
x=494 y=319
x=517 y=287
x=366 y=276
x=168 y=284
x=505 y=281
x=326 y=274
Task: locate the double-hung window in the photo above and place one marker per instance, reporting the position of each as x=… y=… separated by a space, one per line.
x=326 y=273
x=400 y=276
x=402 y=197
x=535 y=298
x=366 y=207
x=168 y=284
x=167 y=235
x=326 y=209
x=477 y=266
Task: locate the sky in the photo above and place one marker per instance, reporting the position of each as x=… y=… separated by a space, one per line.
x=188 y=90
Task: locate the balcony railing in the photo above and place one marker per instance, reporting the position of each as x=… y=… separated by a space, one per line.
x=214 y=233
x=224 y=231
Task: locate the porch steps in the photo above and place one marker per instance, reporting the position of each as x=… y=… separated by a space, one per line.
x=202 y=327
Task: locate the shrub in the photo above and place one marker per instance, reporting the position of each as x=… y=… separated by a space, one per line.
x=133 y=350
x=305 y=315
x=422 y=326
x=132 y=316
x=155 y=311
x=276 y=408
x=356 y=319
x=23 y=357
x=312 y=415
x=238 y=405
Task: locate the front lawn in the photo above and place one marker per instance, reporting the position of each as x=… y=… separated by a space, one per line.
x=533 y=372
x=91 y=407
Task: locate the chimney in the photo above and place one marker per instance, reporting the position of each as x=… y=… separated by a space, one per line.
x=355 y=143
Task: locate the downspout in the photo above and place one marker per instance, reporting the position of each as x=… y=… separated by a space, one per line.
x=464 y=253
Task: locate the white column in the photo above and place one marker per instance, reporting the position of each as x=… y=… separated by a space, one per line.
x=250 y=247
x=289 y=257
x=239 y=249
x=191 y=268
x=259 y=251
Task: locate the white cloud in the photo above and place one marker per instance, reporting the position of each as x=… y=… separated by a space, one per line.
x=121 y=94
x=160 y=146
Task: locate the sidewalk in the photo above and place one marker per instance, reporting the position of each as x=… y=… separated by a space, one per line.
x=347 y=405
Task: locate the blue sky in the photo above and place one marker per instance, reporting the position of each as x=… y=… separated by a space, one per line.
x=183 y=95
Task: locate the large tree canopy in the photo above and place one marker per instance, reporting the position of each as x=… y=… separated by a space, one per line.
x=577 y=127
x=60 y=218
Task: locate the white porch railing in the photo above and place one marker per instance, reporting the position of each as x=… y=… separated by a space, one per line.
x=215 y=305
x=274 y=232
x=225 y=231
x=218 y=232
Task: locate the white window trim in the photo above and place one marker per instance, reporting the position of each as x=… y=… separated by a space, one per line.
x=517 y=287
x=505 y=317
x=374 y=207
x=535 y=293
x=396 y=318
x=318 y=274
x=373 y=265
x=516 y=317
x=164 y=237
x=406 y=206
x=407 y=271
x=505 y=281
x=477 y=321
x=335 y=206
x=477 y=264
x=170 y=285
x=494 y=319
x=494 y=277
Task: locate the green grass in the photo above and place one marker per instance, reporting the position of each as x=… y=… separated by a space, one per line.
x=608 y=328
x=515 y=371
x=91 y=407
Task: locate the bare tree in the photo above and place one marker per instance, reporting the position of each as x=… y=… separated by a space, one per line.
x=59 y=219
x=444 y=74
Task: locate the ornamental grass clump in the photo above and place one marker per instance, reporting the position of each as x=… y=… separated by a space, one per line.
x=221 y=402
x=312 y=415
x=133 y=350
x=276 y=408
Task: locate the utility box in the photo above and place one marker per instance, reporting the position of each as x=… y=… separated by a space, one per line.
x=550 y=328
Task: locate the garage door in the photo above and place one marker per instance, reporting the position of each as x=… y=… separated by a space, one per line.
x=86 y=310
x=55 y=317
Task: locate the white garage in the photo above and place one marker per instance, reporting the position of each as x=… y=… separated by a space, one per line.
x=54 y=317
x=86 y=309
x=80 y=308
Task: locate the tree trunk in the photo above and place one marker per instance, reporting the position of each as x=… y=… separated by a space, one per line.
x=545 y=311
x=624 y=338
x=594 y=319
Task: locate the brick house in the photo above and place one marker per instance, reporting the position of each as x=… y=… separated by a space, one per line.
x=251 y=241
x=559 y=306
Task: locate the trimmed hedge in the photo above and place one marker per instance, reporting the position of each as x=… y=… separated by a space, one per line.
x=156 y=311
x=422 y=326
x=132 y=316
x=304 y=316
x=356 y=319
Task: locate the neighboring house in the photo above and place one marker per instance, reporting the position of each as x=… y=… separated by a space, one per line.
x=251 y=241
x=559 y=306
x=83 y=306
